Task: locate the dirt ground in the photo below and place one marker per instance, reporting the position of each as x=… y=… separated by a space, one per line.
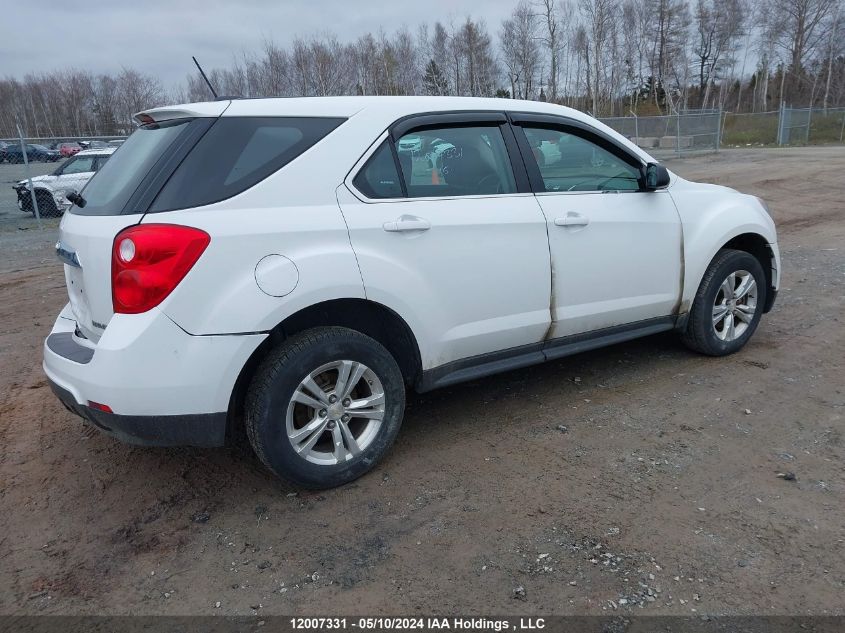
x=660 y=496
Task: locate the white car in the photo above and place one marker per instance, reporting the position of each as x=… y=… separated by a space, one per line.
x=51 y=190
x=278 y=263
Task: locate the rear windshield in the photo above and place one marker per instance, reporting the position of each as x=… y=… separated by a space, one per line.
x=109 y=191
x=235 y=154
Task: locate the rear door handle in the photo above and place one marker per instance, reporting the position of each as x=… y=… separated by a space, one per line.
x=572 y=219
x=407 y=223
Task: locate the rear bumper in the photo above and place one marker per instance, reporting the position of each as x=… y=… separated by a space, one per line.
x=164 y=386
x=203 y=429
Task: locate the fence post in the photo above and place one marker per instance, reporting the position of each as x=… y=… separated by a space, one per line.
x=809 y=120
x=719 y=129
x=678 y=134
x=29 y=177
x=636 y=127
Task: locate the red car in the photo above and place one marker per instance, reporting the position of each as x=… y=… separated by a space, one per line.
x=69 y=149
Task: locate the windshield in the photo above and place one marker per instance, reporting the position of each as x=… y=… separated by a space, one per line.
x=108 y=192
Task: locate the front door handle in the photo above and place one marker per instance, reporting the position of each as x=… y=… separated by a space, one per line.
x=572 y=219
x=407 y=223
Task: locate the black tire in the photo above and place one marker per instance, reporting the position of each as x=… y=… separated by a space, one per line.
x=278 y=377
x=700 y=333
x=46 y=204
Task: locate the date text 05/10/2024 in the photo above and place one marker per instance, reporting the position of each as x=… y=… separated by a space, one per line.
x=418 y=623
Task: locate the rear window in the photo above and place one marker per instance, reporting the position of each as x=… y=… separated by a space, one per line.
x=235 y=154
x=109 y=191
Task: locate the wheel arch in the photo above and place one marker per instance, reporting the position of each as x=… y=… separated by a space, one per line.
x=746 y=239
x=757 y=245
x=368 y=317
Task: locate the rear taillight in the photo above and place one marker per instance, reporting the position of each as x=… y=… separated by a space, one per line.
x=148 y=262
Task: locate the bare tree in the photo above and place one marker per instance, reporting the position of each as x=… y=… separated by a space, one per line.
x=520 y=50
x=550 y=36
x=669 y=39
x=798 y=30
x=599 y=17
x=720 y=25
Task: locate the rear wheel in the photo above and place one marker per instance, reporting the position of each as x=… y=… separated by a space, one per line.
x=324 y=407
x=728 y=305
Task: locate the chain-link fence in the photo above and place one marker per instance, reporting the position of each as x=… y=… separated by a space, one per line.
x=698 y=131
x=37 y=175
x=680 y=133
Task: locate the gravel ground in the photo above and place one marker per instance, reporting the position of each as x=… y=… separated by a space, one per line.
x=636 y=479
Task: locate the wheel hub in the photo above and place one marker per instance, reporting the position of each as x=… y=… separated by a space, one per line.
x=336 y=410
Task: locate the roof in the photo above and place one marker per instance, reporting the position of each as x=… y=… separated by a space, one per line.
x=349 y=106
x=391 y=108
x=96 y=151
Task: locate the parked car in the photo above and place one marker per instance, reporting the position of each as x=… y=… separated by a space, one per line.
x=69 y=149
x=34 y=153
x=410 y=144
x=274 y=262
x=51 y=190
x=116 y=142
x=3 y=146
x=93 y=144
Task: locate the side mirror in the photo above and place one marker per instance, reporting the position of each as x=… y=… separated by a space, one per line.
x=656 y=177
x=76 y=199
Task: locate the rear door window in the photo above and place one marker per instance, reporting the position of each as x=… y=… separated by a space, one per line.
x=455 y=161
x=379 y=178
x=237 y=153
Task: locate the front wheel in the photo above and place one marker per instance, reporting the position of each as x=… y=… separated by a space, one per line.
x=324 y=407
x=728 y=305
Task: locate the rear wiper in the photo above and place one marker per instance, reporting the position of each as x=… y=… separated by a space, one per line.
x=76 y=199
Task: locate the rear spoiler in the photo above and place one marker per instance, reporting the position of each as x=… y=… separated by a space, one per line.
x=185 y=111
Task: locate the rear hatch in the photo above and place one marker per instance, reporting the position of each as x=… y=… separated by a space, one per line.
x=116 y=198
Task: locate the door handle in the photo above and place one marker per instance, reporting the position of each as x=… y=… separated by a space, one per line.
x=572 y=219
x=406 y=223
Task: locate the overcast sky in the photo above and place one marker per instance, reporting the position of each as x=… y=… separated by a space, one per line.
x=159 y=36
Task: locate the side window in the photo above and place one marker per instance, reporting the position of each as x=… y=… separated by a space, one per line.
x=101 y=160
x=78 y=165
x=568 y=162
x=455 y=161
x=379 y=178
x=237 y=153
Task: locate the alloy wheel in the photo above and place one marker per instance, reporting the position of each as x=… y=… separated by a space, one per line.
x=735 y=305
x=335 y=413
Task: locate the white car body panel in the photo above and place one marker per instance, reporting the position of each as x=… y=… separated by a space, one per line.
x=711 y=216
x=622 y=267
x=492 y=252
x=178 y=375
x=492 y=273
x=89 y=285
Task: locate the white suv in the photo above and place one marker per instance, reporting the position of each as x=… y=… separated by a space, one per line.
x=51 y=190
x=278 y=263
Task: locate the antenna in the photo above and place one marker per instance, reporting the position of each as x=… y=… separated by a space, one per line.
x=208 y=83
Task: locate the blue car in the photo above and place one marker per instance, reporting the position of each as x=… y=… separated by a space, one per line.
x=34 y=153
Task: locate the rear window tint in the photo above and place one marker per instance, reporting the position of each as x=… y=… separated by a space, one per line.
x=235 y=154
x=379 y=177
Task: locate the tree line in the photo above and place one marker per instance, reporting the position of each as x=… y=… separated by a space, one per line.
x=606 y=57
